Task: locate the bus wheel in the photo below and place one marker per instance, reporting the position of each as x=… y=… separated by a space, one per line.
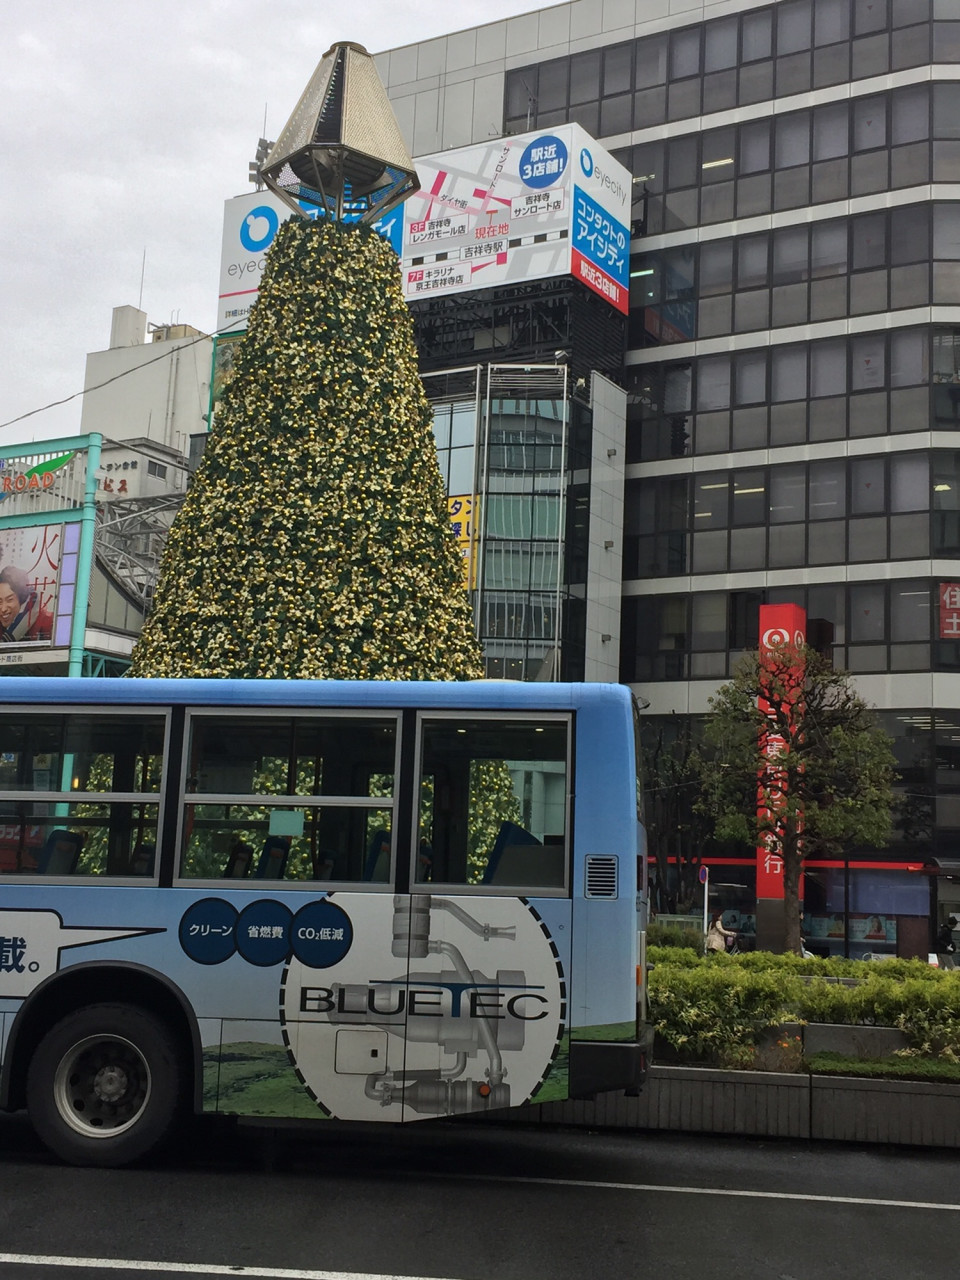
x=104 y=1085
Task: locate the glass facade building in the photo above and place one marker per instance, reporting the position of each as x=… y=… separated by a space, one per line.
x=793 y=344
x=516 y=447
x=506 y=455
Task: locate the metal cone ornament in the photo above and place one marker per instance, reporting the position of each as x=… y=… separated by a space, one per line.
x=341 y=152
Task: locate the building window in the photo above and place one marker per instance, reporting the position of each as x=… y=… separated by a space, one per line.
x=866 y=265
x=866 y=626
x=675 y=75
x=827 y=511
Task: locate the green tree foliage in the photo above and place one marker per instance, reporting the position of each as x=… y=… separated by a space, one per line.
x=314 y=541
x=821 y=764
x=111 y=842
x=675 y=827
x=492 y=802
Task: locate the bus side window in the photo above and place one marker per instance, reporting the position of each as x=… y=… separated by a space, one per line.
x=493 y=801
x=377 y=868
x=273 y=859
x=142 y=859
x=528 y=866
x=510 y=840
x=305 y=792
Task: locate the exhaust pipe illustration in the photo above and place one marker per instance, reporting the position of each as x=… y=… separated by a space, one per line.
x=457 y=1009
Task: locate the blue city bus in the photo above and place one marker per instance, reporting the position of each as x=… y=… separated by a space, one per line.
x=310 y=899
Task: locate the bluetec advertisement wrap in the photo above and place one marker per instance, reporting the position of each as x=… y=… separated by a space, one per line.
x=358 y=1006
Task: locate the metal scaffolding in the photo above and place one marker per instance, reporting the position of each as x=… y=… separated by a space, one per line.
x=131 y=535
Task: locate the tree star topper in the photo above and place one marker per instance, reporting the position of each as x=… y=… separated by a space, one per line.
x=342 y=151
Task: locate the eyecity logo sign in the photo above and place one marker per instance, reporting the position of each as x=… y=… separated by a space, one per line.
x=258 y=228
x=601 y=177
x=251 y=225
x=543 y=161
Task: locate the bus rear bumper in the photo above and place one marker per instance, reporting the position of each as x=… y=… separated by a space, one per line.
x=604 y=1066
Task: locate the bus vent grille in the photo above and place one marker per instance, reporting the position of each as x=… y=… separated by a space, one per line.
x=601 y=877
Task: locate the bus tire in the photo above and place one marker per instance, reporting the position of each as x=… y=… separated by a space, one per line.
x=104 y=1085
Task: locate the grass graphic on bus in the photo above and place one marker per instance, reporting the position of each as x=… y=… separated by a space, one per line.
x=255 y=1079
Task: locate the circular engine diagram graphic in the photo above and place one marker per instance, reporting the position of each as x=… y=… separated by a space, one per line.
x=442 y=1006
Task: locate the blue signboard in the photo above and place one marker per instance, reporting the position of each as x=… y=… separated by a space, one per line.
x=600 y=238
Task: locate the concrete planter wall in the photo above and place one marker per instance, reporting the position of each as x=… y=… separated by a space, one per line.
x=700 y=1100
x=852 y=1042
x=896 y=1111
x=778 y=1104
x=771 y=1104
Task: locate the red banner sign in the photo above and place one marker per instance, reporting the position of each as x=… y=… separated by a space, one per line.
x=782 y=626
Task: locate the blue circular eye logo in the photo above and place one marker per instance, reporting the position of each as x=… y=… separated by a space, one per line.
x=586 y=162
x=543 y=161
x=258 y=228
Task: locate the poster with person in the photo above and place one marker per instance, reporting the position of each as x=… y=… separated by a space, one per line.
x=29 y=576
x=873 y=928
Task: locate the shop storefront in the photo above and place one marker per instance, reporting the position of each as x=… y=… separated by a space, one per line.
x=855 y=908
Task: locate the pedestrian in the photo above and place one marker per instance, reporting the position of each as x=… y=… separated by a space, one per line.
x=945 y=944
x=717 y=935
x=805 y=954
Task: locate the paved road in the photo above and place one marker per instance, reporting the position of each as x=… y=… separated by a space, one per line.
x=481 y=1202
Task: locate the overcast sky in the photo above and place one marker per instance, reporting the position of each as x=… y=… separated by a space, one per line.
x=125 y=126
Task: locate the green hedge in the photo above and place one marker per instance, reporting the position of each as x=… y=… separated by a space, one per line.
x=725 y=1009
x=812 y=966
x=899 y=1068
x=673 y=935
x=712 y=1013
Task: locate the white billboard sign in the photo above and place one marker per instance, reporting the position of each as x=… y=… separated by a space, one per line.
x=553 y=202
x=250 y=223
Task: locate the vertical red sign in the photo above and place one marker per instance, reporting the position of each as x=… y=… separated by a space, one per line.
x=950 y=610
x=781 y=626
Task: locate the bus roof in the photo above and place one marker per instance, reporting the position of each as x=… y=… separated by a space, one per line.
x=454 y=695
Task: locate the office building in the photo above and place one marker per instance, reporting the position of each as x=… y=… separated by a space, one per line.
x=792 y=354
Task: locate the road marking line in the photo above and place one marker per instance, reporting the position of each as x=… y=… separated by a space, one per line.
x=192 y=1268
x=696 y=1191
x=284 y=1273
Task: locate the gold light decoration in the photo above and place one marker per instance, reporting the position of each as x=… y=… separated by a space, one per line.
x=314 y=541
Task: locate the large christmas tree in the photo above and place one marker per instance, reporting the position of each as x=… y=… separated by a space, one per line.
x=315 y=541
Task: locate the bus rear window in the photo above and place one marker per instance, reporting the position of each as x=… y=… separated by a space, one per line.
x=493 y=803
